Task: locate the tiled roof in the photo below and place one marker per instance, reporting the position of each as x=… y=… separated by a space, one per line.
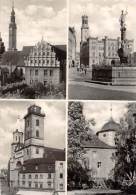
x=54 y=154
x=61 y=47
x=38 y=165
x=45 y=164
x=27 y=49
x=95 y=142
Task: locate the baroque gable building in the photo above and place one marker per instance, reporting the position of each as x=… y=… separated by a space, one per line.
x=42 y=65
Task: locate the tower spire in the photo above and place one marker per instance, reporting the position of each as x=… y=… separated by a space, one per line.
x=12 y=30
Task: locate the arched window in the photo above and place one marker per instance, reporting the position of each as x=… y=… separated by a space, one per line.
x=37 y=133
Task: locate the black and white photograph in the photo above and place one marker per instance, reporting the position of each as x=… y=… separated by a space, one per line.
x=32 y=148
x=102 y=51
x=101 y=148
x=33 y=39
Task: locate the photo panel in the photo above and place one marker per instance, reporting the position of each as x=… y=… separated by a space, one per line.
x=33 y=49
x=32 y=147
x=101 y=47
x=101 y=147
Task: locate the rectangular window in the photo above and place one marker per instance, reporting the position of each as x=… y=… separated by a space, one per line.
x=36 y=176
x=36 y=184
x=23 y=183
x=30 y=72
x=49 y=184
x=61 y=175
x=30 y=176
x=23 y=176
x=41 y=185
x=49 y=175
x=29 y=183
x=45 y=72
x=37 y=150
x=36 y=72
x=37 y=122
x=61 y=186
x=41 y=176
x=99 y=164
x=51 y=72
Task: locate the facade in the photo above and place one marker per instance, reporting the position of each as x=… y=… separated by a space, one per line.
x=72 y=46
x=95 y=51
x=12 y=32
x=42 y=66
x=32 y=165
x=101 y=150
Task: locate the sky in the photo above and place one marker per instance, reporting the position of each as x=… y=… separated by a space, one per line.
x=103 y=17
x=54 y=124
x=101 y=112
x=34 y=19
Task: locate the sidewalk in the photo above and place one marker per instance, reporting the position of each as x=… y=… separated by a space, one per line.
x=94 y=192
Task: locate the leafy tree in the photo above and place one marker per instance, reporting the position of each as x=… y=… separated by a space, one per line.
x=125 y=166
x=78 y=131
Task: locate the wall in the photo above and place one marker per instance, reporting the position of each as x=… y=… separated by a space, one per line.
x=32 y=79
x=124 y=75
x=60 y=170
x=107 y=137
x=95 y=155
x=24 y=180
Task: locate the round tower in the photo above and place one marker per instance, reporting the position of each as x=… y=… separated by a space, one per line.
x=108 y=132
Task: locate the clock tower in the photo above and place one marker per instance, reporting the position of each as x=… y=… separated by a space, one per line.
x=12 y=31
x=84 y=29
x=34 y=133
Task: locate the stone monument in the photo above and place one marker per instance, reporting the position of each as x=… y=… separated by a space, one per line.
x=123 y=50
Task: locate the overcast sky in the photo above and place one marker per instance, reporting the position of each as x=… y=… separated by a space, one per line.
x=55 y=124
x=101 y=112
x=103 y=17
x=35 y=18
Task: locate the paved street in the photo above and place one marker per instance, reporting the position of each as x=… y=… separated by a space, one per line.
x=80 y=89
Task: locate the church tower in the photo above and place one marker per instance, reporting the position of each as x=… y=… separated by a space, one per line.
x=84 y=29
x=12 y=31
x=34 y=133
